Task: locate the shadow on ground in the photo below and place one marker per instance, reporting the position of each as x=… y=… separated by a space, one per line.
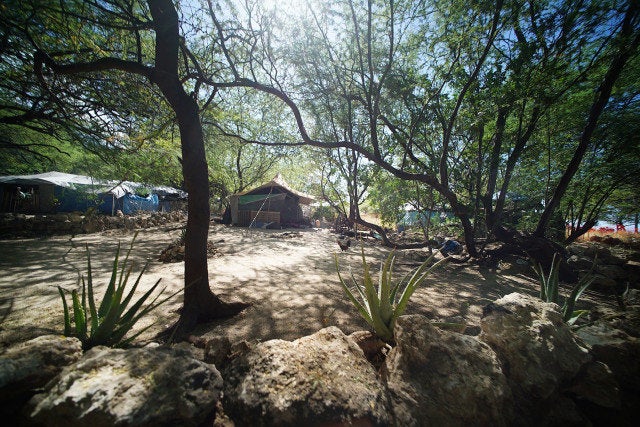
x=289 y=279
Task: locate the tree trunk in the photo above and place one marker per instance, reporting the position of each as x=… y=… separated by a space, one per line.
x=538 y=249
x=629 y=38
x=385 y=239
x=469 y=235
x=200 y=304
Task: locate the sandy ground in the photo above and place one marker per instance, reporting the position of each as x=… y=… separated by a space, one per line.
x=290 y=282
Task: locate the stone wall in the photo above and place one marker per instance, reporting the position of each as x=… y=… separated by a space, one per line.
x=20 y=225
x=526 y=368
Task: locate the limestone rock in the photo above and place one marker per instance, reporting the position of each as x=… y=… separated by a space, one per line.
x=627 y=319
x=216 y=351
x=603 y=282
x=633 y=266
x=632 y=297
x=321 y=379
x=580 y=263
x=92 y=225
x=621 y=353
x=532 y=340
x=612 y=271
x=374 y=349
x=440 y=377
x=617 y=349
x=142 y=387
x=30 y=365
x=597 y=384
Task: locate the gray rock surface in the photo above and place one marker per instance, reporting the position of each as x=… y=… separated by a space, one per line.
x=137 y=387
x=531 y=339
x=320 y=379
x=614 y=266
x=441 y=377
x=217 y=350
x=597 y=384
x=612 y=271
x=626 y=319
x=613 y=340
x=30 y=365
x=617 y=349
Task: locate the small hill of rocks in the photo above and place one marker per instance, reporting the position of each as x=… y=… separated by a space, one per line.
x=526 y=367
x=614 y=268
x=175 y=251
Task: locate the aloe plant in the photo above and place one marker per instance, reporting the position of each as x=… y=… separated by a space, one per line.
x=109 y=323
x=549 y=289
x=382 y=306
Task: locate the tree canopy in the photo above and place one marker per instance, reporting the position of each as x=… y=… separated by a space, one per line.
x=477 y=101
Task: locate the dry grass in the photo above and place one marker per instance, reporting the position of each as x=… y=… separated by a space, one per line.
x=613 y=238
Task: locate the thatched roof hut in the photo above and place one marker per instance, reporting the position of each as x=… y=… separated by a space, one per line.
x=272 y=203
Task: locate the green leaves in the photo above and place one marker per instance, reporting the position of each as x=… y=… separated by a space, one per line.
x=549 y=283
x=549 y=289
x=382 y=306
x=111 y=321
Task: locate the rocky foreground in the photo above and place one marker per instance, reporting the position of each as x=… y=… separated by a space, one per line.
x=526 y=367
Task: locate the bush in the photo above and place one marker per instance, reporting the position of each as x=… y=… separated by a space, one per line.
x=549 y=289
x=143 y=192
x=382 y=306
x=326 y=212
x=108 y=323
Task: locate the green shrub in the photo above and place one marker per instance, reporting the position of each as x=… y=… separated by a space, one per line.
x=549 y=289
x=382 y=306
x=143 y=191
x=108 y=323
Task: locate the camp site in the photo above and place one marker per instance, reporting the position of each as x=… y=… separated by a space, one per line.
x=319 y=213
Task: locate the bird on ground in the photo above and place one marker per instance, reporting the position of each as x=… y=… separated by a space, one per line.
x=344 y=244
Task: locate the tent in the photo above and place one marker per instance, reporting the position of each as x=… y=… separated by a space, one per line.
x=274 y=202
x=412 y=218
x=64 y=192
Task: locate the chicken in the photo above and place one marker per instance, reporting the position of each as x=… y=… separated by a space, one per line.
x=344 y=244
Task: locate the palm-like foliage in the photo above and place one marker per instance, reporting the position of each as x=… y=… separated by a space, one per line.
x=108 y=323
x=382 y=306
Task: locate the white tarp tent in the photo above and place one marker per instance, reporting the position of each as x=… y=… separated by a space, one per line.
x=47 y=182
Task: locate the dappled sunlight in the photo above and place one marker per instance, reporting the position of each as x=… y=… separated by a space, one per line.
x=289 y=278
x=34 y=268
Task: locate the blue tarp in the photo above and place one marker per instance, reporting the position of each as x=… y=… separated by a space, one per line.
x=78 y=193
x=69 y=200
x=129 y=203
x=132 y=203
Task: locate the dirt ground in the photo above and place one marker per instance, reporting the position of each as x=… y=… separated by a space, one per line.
x=288 y=277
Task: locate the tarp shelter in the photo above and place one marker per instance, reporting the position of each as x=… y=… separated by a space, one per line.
x=413 y=218
x=274 y=202
x=63 y=192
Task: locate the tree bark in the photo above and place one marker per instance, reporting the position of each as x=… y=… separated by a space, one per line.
x=383 y=235
x=200 y=304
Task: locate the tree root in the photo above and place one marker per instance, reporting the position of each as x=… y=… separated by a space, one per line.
x=188 y=321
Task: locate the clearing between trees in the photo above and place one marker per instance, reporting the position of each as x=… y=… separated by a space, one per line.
x=288 y=277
